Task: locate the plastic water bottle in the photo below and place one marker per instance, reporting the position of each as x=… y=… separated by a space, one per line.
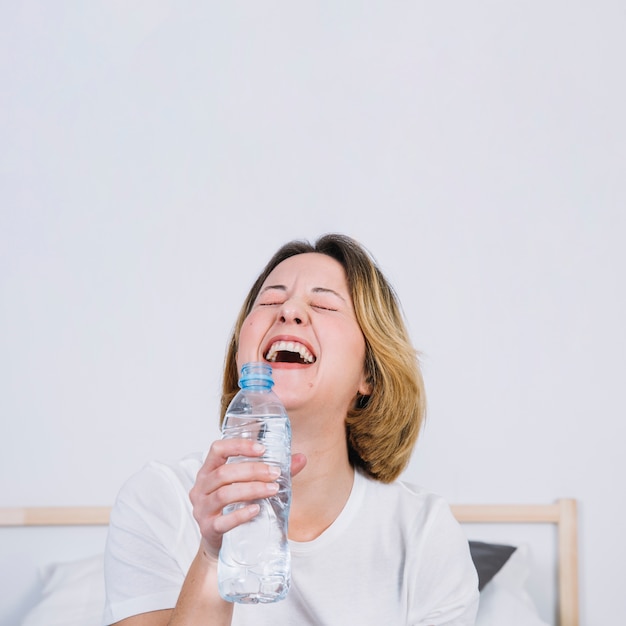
x=255 y=562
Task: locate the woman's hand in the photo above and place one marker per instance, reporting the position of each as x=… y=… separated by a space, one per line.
x=219 y=484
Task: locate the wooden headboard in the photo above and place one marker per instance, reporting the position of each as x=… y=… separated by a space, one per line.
x=563 y=514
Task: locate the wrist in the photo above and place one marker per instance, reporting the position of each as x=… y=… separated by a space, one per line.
x=208 y=555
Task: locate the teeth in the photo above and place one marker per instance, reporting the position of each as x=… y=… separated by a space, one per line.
x=289 y=346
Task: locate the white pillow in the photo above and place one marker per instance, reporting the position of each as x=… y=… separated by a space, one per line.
x=72 y=594
x=505 y=600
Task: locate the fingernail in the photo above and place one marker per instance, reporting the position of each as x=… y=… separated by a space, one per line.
x=258 y=447
x=274 y=471
x=254 y=509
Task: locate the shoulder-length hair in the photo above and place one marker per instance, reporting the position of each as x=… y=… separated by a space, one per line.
x=382 y=428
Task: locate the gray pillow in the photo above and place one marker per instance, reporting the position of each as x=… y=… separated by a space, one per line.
x=489 y=558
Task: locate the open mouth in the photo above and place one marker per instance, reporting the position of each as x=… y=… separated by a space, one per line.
x=289 y=352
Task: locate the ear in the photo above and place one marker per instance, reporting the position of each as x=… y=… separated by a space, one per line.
x=365 y=386
x=361 y=401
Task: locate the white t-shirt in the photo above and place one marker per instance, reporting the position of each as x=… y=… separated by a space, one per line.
x=395 y=555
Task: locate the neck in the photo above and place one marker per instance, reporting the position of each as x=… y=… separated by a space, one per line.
x=321 y=489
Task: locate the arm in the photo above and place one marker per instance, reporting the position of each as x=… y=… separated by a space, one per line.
x=446 y=582
x=196 y=603
x=217 y=484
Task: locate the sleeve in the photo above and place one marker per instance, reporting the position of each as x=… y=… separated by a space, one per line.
x=151 y=542
x=445 y=579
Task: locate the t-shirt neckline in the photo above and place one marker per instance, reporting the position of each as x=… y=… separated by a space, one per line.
x=340 y=524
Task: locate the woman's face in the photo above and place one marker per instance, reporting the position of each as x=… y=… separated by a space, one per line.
x=303 y=324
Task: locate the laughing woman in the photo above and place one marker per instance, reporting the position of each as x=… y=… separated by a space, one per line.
x=366 y=548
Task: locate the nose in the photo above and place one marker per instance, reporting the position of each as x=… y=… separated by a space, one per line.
x=292 y=312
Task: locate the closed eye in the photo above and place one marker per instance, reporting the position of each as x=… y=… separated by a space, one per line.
x=272 y=295
x=322 y=299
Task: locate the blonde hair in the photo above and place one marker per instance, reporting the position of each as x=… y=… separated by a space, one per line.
x=382 y=428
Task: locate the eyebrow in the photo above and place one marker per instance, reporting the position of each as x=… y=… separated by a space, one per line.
x=314 y=290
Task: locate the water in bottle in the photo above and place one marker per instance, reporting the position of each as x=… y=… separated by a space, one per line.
x=254 y=562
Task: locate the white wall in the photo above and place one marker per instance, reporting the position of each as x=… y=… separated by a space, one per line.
x=154 y=154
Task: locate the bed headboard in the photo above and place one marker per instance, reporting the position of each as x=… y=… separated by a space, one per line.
x=563 y=514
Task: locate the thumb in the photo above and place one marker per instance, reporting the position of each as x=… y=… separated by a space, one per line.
x=298 y=461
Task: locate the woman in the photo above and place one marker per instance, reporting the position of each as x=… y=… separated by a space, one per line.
x=366 y=548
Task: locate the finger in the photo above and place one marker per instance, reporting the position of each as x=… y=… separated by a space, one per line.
x=240 y=515
x=246 y=471
x=233 y=482
x=207 y=510
x=222 y=449
x=212 y=528
x=298 y=461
